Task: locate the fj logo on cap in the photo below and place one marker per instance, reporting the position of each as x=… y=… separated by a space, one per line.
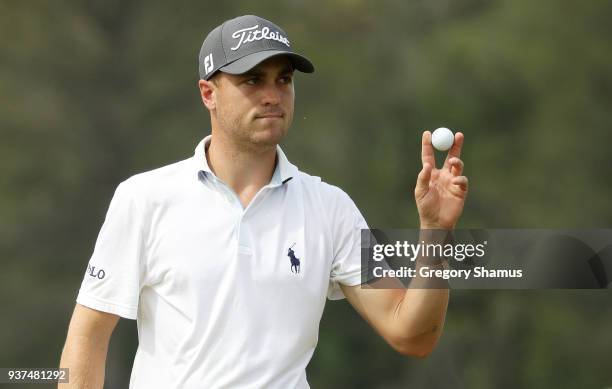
x=251 y=34
x=208 y=63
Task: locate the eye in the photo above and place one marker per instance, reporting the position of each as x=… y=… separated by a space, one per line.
x=252 y=81
x=286 y=79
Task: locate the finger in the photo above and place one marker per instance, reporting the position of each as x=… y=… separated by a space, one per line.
x=427 y=152
x=455 y=150
x=455 y=166
x=461 y=182
x=422 y=185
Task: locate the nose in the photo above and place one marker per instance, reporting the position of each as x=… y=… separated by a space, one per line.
x=271 y=94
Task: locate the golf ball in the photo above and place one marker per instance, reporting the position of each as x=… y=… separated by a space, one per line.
x=442 y=139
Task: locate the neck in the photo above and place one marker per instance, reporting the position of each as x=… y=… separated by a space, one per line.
x=245 y=171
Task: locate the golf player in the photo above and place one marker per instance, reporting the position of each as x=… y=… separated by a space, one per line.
x=226 y=259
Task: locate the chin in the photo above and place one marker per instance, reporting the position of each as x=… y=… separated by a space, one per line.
x=270 y=136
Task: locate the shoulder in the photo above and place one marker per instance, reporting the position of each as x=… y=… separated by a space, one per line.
x=334 y=206
x=156 y=184
x=330 y=197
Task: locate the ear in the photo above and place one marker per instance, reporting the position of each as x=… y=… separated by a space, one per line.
x=207 y=93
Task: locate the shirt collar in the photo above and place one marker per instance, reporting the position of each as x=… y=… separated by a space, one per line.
x=283 y=172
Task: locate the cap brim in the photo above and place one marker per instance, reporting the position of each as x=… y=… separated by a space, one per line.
x=248 y=62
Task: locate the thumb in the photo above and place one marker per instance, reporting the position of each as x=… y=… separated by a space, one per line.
x=422 y=184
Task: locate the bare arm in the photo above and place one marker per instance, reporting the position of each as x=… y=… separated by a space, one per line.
x=411 y=320
x=86 y=347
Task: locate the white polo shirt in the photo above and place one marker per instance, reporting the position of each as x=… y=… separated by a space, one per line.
x=224 y=296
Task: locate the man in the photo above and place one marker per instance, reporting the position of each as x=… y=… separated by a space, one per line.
x=226 y=259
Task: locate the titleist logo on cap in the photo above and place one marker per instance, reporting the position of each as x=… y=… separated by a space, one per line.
x=251 y=34
x=241 y=43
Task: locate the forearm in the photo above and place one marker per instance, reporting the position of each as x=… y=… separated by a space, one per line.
x=420 y=317
x=86 y=359
x=422 y=309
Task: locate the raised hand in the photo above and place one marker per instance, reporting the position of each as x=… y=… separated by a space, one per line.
x=440 y=193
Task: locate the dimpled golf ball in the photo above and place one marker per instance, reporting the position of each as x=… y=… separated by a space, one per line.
x=442 y=139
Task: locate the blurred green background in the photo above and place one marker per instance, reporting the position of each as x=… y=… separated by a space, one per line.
x=93 y=92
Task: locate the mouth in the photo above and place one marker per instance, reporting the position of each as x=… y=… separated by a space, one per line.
x=275 y=115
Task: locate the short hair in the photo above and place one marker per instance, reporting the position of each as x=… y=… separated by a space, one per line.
x=214 y=79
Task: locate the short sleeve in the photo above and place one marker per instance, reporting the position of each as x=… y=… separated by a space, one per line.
x=347 y=223
x=113 y=278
